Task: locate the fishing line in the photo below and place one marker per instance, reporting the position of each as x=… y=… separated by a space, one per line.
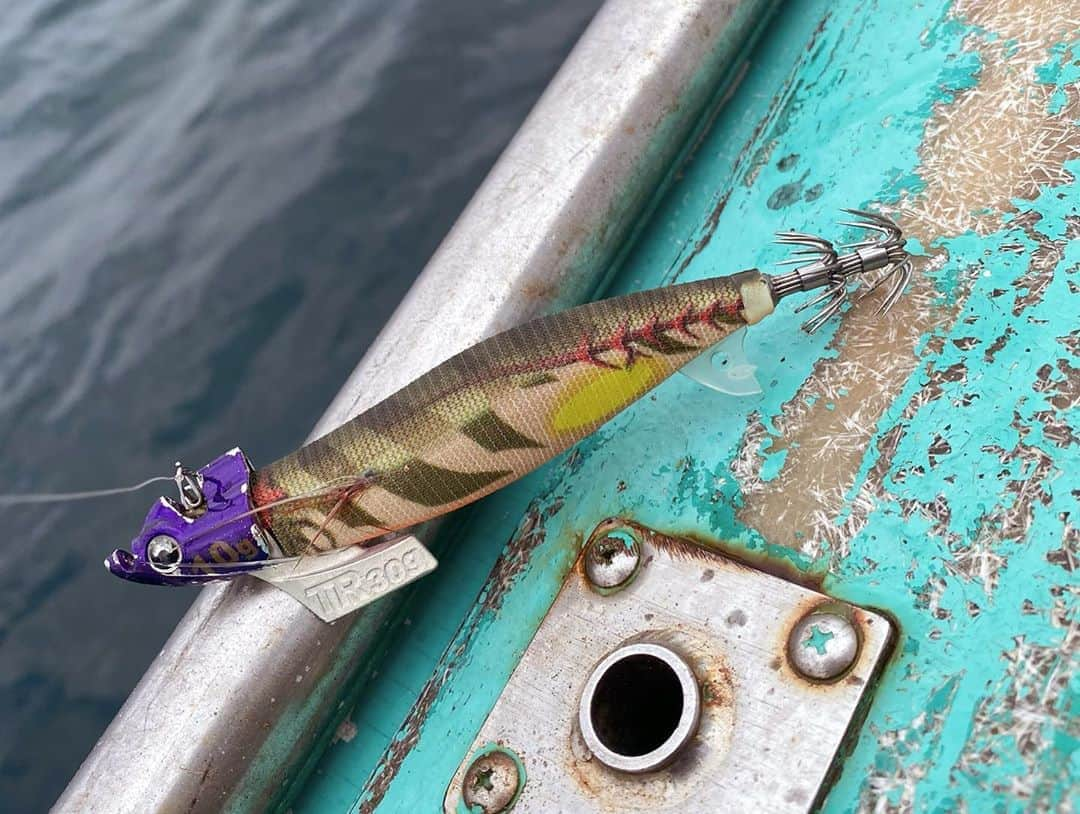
x=327 y=490
x=187 y=569
x=64 y=497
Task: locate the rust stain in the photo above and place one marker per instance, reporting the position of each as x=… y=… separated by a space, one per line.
x=199 y=790
x=516 y=555
x=795 y=614
x=692 y=546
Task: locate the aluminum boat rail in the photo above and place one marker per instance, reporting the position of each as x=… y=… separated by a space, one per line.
x=260 y=676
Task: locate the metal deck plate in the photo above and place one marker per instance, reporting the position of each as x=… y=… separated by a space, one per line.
x=767 y=736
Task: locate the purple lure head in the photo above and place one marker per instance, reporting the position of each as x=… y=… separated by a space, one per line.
x=209 y=534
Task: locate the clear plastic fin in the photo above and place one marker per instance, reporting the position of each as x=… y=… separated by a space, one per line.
x=725 y=368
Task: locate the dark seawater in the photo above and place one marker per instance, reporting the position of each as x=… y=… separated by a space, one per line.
x=208 y=208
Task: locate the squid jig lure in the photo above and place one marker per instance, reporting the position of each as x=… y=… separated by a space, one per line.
x=321 y=522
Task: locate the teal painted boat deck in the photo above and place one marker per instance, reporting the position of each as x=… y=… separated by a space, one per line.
x=927 y=468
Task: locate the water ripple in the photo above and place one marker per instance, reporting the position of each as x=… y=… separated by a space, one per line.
x=208 y=208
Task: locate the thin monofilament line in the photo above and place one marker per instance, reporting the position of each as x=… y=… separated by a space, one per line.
x=186 y=569
x=326 y=490
x=64 y=497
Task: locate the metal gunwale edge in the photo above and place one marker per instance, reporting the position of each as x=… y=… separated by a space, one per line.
x=261 y=676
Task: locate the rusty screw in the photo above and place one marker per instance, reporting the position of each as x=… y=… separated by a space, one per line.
x=612 y=561
x=491 y=782
x=823 y=645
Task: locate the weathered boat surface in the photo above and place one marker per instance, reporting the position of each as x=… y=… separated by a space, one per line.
x=924 y=464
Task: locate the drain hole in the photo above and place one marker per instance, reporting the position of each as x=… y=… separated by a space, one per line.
x=637 y=705
x=639 y=708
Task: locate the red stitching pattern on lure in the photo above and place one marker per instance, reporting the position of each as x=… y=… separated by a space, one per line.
x=685 y=315
x=647 y=336
x=585 y=353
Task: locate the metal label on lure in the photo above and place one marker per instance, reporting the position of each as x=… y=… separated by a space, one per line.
x=337 y=583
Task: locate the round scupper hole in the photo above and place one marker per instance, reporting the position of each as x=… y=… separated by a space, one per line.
x=637 y=705
x=640 y=706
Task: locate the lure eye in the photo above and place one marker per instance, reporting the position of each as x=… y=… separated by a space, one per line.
x=163 y=553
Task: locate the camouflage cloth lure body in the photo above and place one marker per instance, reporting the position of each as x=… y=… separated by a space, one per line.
x=477 y=421
x=498 y=410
